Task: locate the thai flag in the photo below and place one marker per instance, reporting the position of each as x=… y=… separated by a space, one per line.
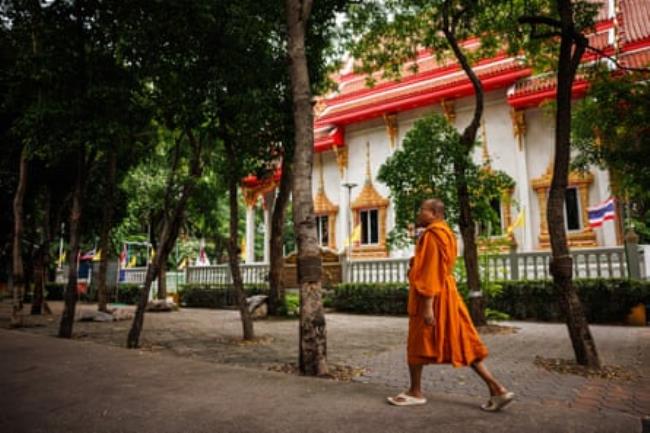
x=602 y=212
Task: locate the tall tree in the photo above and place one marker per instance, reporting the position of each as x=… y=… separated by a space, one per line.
x=566 y=21
x=392 y=32
x=313 y=337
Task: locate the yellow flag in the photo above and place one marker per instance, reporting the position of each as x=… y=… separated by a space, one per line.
x=183 y=263
x=98 y=256
x=62 y=258
x=243 y=249
x=132 y=262
x=518 y=222
x=356 y=235
x=152 y=255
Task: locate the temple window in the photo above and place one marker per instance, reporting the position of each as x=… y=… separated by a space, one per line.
x=322 y=228
x=369 y=226
x=572 y=209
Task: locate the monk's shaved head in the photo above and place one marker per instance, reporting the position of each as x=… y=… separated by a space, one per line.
x=436 y=205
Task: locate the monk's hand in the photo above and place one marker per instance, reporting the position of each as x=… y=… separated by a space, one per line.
x=427 y=311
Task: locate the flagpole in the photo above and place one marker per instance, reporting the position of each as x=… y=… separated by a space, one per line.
x=61 y=245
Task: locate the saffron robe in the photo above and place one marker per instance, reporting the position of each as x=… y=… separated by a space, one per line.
x=452 y=338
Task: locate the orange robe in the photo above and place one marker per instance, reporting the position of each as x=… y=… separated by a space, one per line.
x=452 y=339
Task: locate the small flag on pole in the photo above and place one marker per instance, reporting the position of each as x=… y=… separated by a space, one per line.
x=602 y=212
x=519 y=222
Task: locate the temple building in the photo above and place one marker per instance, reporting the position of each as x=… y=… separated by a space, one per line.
x=357 y=128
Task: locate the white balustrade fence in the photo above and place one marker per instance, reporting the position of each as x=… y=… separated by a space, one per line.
x=587 y=263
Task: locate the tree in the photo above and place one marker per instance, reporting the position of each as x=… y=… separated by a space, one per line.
x=385 y=35
x=313 y=337
x=566 y=21
x=424 y=167
x=610 y=130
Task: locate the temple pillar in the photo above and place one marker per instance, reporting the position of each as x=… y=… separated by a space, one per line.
x=250 y=233
x=523 y=182
x=269 y=201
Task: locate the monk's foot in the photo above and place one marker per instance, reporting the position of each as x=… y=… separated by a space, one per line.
x=407 y=398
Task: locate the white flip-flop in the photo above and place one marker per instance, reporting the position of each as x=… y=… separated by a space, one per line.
x=406 y=400
x=498 y=402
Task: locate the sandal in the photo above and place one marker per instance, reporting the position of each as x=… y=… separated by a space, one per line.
x=403 y=399
x=498 y=402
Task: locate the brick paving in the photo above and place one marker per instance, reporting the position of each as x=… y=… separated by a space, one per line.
x=376 y=344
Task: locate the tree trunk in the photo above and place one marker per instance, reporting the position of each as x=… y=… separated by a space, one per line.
x=17 y=251
x=42 y=259
x=561 y=263
x=233 y=252
x=276 y=288
x=313 y=336
x=162 y=281
x=107 y=224
x=70 y=293
x=169 y=233
x=468 y=138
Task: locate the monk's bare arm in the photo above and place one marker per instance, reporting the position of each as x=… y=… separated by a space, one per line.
x=427 y=310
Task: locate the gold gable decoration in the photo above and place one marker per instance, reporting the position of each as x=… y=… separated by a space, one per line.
x=586 y=236
x=369 y=198
x=323 y=206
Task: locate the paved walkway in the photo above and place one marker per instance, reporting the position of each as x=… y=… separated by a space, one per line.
x=54 y=385
x=376 y=345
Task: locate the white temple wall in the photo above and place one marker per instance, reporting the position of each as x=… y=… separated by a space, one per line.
x=523 y=164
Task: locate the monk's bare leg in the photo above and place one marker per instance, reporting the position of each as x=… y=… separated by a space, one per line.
x=415 y=371
x=494 y=386
x=415 y=390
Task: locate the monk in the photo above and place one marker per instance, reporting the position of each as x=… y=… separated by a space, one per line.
x=440 y=328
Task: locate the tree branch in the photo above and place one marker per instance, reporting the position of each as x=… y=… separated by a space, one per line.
x=614 y=60
x=305 y=10
x=535 y=20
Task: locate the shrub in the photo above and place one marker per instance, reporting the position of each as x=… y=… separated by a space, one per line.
x=387 y=298
x=214 y=295
x=128 y=293
x=604 y=300
x=54 y=291
x=291 y=306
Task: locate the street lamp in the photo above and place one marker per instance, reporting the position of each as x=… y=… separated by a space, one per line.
x=349 y=186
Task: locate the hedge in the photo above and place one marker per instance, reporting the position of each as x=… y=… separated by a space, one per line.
x=127 y=293
x=605 y=300
x=200 y=295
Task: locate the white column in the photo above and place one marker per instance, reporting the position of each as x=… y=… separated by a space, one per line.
x=525 y=233
x=250 y=234
x=269 y=201
x=604 y=192
x=343 y=218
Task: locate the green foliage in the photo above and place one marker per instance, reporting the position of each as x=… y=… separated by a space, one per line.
x=291 y=306
x=610 y=130
x=605 y=300
x=371 y=298
x=214 y=295
x=424 y=168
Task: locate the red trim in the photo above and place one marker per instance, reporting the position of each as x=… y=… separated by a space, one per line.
x=604 y=25
x=421 y=76
x=534 y=99
x=328 y=142
x=424 y=98
x=636 y=45
x=251 y=181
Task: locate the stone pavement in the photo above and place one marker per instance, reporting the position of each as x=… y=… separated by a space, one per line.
x=376 y=344
x=53 y=385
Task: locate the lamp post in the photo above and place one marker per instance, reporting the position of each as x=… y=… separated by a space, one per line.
x=349 y=186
